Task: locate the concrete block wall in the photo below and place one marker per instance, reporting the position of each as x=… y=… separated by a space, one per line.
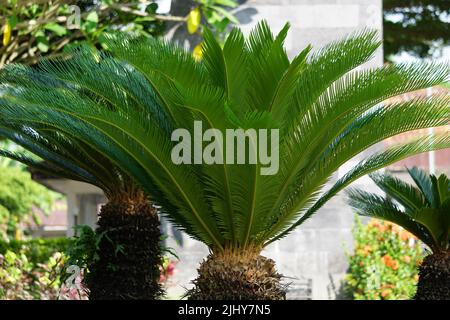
x=315 y=22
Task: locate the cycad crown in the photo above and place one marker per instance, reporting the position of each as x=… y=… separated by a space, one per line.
x=326 y=112
x=423 y=210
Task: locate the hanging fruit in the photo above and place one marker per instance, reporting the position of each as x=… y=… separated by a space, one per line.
x=7 y=33
x=193 y=21
x=198 y=52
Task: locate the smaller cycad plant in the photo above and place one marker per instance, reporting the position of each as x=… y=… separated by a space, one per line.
x=424 y=210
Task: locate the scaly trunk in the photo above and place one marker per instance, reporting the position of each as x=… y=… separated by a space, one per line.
x=237 y=276
x=129 y=253
x=434 y=277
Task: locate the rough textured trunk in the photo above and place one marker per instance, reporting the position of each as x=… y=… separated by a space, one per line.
x=237 y=276
x=434 y=277
x=129 y=253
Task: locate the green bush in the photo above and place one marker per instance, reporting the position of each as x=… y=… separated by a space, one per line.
x=20 y=196
x=37 y=268
x=384 y=263
x=31 y=269
x=36 y=250
x=48 y=28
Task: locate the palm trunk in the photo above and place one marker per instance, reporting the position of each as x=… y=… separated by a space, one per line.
x=434 y=277
x=237 y=276
x=129 y=253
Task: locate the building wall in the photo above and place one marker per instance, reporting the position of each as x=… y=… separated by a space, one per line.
x=316 y=250
x=315 y=22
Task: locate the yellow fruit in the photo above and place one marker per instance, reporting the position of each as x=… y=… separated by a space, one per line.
x=193 y=21
x=198 y=52
x=18 y=235
x=7 y=33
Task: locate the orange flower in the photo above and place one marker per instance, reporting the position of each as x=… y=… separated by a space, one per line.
x=407 y=259
x=394 y=265
x=416 y=277
x=385 y=293
x=386 y=259
x=389 y=262
x=361 y=264
x=404 y=236
x=367 y=250
x=373 y=223
x=396 y=229
x=388 y=286
x=377 y=224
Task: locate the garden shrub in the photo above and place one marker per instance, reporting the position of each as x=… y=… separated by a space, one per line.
x=21 y=199
x=36 y=250
x=36 y=268
x=31 y=269
x=384 y=263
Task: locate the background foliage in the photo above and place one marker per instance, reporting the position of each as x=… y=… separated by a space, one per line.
x=21 y=198
x=37 y=268
x=384 y=263
x=418 y=27
x=31 y=29
x=29 y=269
x=36 y=250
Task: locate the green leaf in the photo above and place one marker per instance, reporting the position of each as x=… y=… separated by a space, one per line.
x=92 y=17
x=42 y=43
x=226 y=14
x=91 y=22
x=424 y=182
x=152 y=8
x=10 y=257
x=56 y=28
x=226 y=3
x=13 y=20
x=432 y=220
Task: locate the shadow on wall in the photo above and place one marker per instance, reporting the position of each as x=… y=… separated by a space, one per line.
x=336 y=289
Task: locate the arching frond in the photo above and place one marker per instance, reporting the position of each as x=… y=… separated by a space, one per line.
x=120 y=111
x=374 y=206
x=428 y=220
x=402 y=192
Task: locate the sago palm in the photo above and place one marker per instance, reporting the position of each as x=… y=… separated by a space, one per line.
x=423 y=210
x=326 y=113
x=128 y=220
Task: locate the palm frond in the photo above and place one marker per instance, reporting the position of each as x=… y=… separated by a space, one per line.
x=425 y=184
x=121 y=115
x=370 y=164
x=374 y=206
x=402 y=192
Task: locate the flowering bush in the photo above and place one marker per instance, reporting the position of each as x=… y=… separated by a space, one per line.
x=33 y=269
x=48 y=269
x=384 y=262
x=24 y=280
x=36 y=250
